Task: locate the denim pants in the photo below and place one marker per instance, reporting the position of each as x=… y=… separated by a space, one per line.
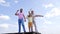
x=21 y=22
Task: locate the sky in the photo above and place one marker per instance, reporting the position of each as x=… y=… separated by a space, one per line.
x=50 y=9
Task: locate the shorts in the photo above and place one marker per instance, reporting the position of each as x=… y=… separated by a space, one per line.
x=30 y=24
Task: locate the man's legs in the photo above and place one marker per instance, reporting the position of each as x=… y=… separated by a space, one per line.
x=19 y=24
x=35 y=26
x=23 y=25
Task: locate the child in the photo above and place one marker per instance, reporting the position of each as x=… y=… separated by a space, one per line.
x=20 y=19
x=30 y=22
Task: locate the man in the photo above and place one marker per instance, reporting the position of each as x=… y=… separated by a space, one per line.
x=32 y=12
x=21 y=19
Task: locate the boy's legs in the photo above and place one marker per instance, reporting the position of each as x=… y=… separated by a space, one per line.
x=23 y=25
x=19 y=24
x=29 y=26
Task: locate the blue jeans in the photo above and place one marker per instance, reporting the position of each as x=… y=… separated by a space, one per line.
x=21 y=22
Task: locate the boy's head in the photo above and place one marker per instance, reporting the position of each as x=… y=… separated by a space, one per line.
x=29 y=12
x=21 y=10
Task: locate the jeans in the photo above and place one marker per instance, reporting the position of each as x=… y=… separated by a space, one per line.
x=21 y=22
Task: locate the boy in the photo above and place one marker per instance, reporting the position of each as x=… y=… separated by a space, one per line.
x=30 y=24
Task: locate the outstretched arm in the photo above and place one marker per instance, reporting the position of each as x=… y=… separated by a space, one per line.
x=38 y=16
x=16 y=13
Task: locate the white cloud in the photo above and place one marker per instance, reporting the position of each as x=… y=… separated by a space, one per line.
x=50 y=29
x=53 y=13
x=4 y=3
x=16 y=1
x=4 y=26
x=8 y=28
x=4 y=17
x=47 y=22
x=48 y=5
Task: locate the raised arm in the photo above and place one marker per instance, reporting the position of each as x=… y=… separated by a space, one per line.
x=16 y=13
x=38 y=16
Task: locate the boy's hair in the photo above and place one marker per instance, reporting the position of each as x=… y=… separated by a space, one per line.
x=29 y=14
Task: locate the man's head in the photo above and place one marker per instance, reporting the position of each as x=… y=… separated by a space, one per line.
x=21 y=10
x=32 y=12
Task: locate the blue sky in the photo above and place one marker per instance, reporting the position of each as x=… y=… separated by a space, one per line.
x=49 y=24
